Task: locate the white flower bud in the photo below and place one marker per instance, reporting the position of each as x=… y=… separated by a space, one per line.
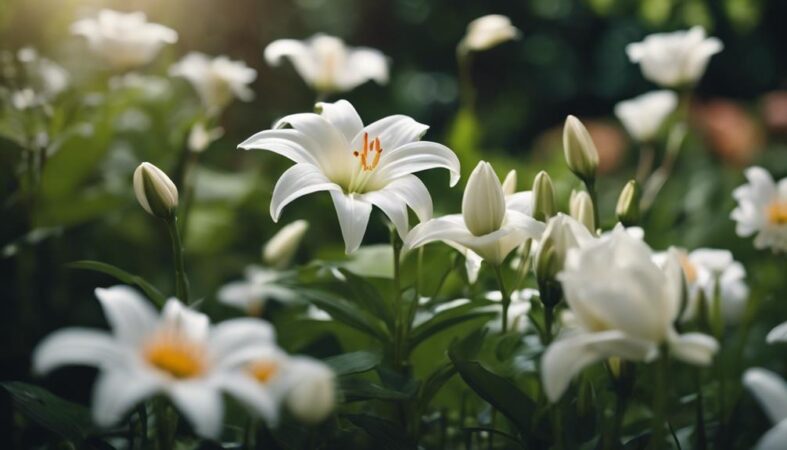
x=543 y=197
x=312 y=394
x=484 y=203
x=488 y=31
x=581 y=208
x=155 y=192
x=562 y=233
x=280 y=249
x=579 y=150
x=509 y=183
x=627 y=209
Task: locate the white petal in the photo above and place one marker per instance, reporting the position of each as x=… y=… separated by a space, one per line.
x=230 y=339
x=694 y=348
x=129 y=314
x=297 y=52
x=778 y=334
x=343 y=116
x=201 y=404
x=393 y=207
x=418 y=156
x=770 y=390
x=257 y=397
x=190 y=323
x=412 y=191
x=117 y=391
x=393 y=132
x=562 y=361
x=290 y=143
x=472 y=265
x=353 y=216
x=447 y=228
x=363 y=64
x=332 y=148
x=295 y=182
x=77 y=346
x=775 y=438
x=521 y=202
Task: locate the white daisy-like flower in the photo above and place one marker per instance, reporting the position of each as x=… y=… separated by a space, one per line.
x=124 y=40
x=327 y=64
x=762 y=210
x=490 y=226
x=258 y=287
x=360 y=166
x=176 y=353
x=644 y=115
x=217 y=80
x=489 y=31
x=674 y=59
x=771 y=391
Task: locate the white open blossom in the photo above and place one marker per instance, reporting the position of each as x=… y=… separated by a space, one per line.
x=489 y=31
x=217 y=80
x=327 y=64
x=624 y=306
x=176 y=353
x=771 y=391
x=762 y=210
x=490 y=225
x=259 y=285
x=124 y=40
x=674 y=59
x=644 y=115
x=359 y=165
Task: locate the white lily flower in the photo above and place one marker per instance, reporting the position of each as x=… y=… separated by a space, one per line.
x=777 y=334
x=644 y=115
x=490 y=225
x=360 y=166
x=489 y=31
x=177 y=353
x=517 y=310
x=624 y=306
x=762 y=209
x=217 y=80
x=327 y=64
x=258 y=287
x=771 y=391
x=280 y=249
x=674 y=59
x=124 y=40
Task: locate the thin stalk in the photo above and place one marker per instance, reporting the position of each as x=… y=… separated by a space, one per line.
x=660 y=396
x=181 y=280
x=590 y=185
x=701 y=435
x=250 y=434
x=647 y=155
x=166 y=425
x=467 y=93
x=506 y=297
x=399 y=320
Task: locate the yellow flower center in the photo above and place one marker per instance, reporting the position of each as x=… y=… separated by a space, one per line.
x=263 y=371
x=370 y=150
x=176 y=356
x=777 y=213
x=689 y=269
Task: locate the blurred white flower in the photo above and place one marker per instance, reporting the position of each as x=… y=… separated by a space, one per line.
x=624 y=306
x=327 y=64
x=311 y=395
x=777 y=334
x=579 y=150
x=253 y=292
x=177 y=353
x=124 y=40
x=489 y=31
x=674 y=59
x=644 y=115
x=280 y=249
x=24 y=99
x=200 y=137
x=360 y=166
x=762 y=209
x=155 y=192
x=771 y=391
x=490 y=226
x=217 y=80
x=581 y=209
x=517 y=310
x=151 y=87
x=562 y=234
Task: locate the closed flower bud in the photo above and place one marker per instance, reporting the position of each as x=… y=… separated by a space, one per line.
x=627 y=209
x=312 y=395
x=581 y=208
x=155 y=192
x=579 y=150
x=509 y=183
x=280 y=249
x=543 y=197
x=484 y=203
x=548 y=262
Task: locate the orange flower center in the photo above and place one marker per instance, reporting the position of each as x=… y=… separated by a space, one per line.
x=176 y=356
x=777 y=213
x=371 y=150
x=263 y=371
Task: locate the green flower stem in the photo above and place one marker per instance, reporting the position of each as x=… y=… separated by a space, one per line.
x=506 y=297
x=166 y=424
x=590 y=185
x=647 y=156
x=660 y=400
x=181 y=280
x=399 y=310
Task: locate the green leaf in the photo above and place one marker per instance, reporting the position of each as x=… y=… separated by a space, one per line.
x=356 y=389
x=346 y=313
x=355 y=362
x=434 y=382
x=385 y=433
x=154 y=294
x=369 y=296
x=449 y=318
x=66 y=419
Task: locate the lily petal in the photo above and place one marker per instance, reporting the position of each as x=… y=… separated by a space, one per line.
x=77 y=346
x=117 y=391
x=343 y=116
x=418 y=156
x=775 y=438
x=365 y=64
x=393 y=131
x=201 y=404
x=392 y=206
x=255 y=396
x=298 y=53
x=353 y=216
x=694 y=348
x=295 y=182
x=413 y=192
x=290 y=143
x=230 y=338
x=129 y=314
x=770 y=390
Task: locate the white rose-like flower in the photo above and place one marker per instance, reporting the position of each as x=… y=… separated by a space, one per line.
x=762 y=210
x=644 y=115
x=771 y=391
x=624 y=306
x=489 y=31
x=359 y=165
x=491 y=225
x=124 y=40
x=327 y=64
x=674 y=59
x=176 y=353
x=217 y=80
x=258 y=286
